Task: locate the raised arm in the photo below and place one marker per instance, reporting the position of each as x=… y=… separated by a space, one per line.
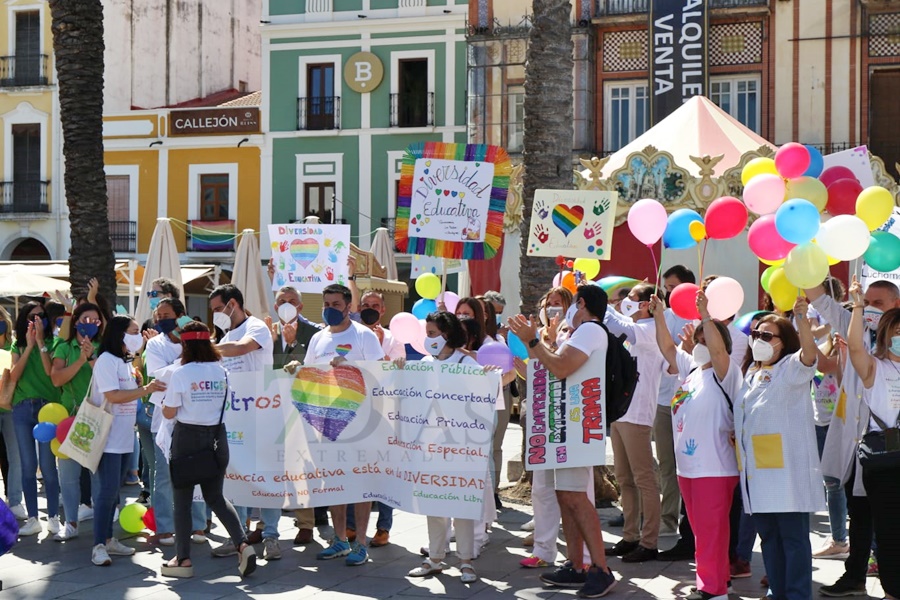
x=663 y=337
x=831 y=311
x=863 y=362
x=561 y=364
x=721 y=360
x=618 y=324
x=808 y=350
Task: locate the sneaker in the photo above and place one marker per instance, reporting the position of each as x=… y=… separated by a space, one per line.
x=834 y=550
x=132 y=479
x=167 y=539
x=100 y=557
x=31 y=527
x=69 y=532
x=382 y=538
x=597 y=583
x=226 y=549
x=622 y=548
x=19 y=512
x=144 y=498
x=565 y=576
x=359 y=556
x=844 y=587
x=85 y=513
x=533 y=562
x=529 y=526
x=640 y=554
x=680 y=551
x=199 y=537
x=271 y=549
x=337 y=549
x=700 y=595
x=740 y=569
x=53 y=525
x=528 y=542
x=247 y=564
x=117 y=548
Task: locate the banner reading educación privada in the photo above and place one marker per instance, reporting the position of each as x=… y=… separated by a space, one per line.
x=417 y=439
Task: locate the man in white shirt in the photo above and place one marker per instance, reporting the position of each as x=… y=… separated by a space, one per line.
x=630 y=435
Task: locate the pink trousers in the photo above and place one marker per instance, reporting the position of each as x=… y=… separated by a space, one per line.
x=708 y=503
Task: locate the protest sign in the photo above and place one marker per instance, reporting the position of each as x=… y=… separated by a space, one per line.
x=567 y=417
x=310 y=256
x=451 y=200
x=417 y=439
x=855 y=159
x=572 y=223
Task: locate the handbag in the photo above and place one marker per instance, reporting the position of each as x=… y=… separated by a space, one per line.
x=879 y=451
x=7 y=389
x=87 y=437
x=203 y=465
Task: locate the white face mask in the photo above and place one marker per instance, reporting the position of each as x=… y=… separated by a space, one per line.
x=762 y=351
x=222 y=321
x=543 y=317
x=872 y=316
x=701 y=355
x=570 y=315
x=628 y=307
x=287 y=312
x=133 y=342
x=435 y=345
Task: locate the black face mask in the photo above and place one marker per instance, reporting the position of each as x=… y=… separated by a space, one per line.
x=369 y=316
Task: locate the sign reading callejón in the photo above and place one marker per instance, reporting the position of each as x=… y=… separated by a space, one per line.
x=207 y=121
x=679 y=51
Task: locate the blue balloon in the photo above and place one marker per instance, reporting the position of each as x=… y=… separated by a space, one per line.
x=517 y=346
x=816 y=162
x=678 y=230
x=797 y=221
x=44 y=432
x=423 y=307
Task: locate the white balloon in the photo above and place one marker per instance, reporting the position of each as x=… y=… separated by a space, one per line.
x=726 y=296
x=844 y=237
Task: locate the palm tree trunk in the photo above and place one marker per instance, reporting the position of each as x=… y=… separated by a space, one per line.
x=77 y=27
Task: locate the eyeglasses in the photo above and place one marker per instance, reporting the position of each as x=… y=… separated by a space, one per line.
x=765 y=336
x=153 y=294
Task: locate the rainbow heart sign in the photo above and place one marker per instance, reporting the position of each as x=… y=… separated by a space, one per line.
x=572 y=223
x=310 y=256
x=305 y=251
x=328 y=399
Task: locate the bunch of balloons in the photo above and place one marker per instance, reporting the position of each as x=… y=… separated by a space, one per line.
x=53 y=425
x=588 y=267
x=648 y=221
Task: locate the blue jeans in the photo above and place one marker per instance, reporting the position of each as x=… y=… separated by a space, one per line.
x=70 y=486
x=787 y=554
x=25 y=417
x=14 y=485
x=105 y=485
x=134 y=460
x=834 y=495
x=163 y=499
x=385 y=516
x=148 y=442
x=269 y=517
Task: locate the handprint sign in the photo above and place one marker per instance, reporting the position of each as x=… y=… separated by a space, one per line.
x=541 y=209
x=542 y=234
x=592 y=230
x=601 y=207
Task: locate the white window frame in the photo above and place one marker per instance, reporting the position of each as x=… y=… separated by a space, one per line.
x=305 y=61
x=24 y=114
x=132 y=172
x=396 y=57
x=11 y=25
x=733 y=80
x=393 y=176
x=194 y=173
x=514 y=128
x=336 y=176
x=632 y=85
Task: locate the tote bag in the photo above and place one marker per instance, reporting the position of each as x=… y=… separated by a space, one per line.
x=87 y=437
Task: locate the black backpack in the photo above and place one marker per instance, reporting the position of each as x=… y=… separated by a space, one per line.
x=621 y=376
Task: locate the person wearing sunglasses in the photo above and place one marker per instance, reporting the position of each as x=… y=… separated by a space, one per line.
x=781 y=482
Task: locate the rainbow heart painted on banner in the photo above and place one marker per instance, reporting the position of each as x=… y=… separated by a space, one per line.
x=305 y=251
x=567 y=218
x=329 y=399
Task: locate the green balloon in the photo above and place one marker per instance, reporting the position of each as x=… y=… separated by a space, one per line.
x=131 y=518
x=883 y=254
x=764 y=278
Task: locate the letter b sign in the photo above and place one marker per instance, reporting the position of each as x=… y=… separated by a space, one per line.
x=363 y=72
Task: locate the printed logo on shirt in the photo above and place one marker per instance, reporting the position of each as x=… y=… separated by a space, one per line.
x=235 y=438
x=680 y=397
x=343 y=349
x=690 y=447
x=762 y=377
x=680 y=425
x=207 y=386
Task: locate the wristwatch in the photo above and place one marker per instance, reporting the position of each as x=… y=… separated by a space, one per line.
x=352 y=278
x=534 y=342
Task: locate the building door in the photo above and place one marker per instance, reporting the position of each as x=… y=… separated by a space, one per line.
x=27 y=185
x=318 y=201
x=320 y=103
x=28 y=50
x=884 y=126
x=412 y=100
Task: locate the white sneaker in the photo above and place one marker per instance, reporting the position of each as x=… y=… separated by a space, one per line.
x=833 y=550
x=19 y=511
x=85 y=513
x=31 y=527
x=198 y=538
x=68 y=533
x=166 y=541
x=53 y=525
x=99 y=556
x=529 y=526
x=117 y=548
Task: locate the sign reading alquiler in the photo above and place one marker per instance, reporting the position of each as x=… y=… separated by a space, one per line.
x=679 y=51
x=211 y=121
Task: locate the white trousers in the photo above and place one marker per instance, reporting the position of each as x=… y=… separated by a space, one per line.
x=438 y=531
x=546 y=514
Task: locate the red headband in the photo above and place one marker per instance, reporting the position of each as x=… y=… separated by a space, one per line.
x=194 y=335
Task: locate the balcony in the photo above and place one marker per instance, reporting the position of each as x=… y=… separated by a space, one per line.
x=123 y=235
x=211 y=236
x=24 y=197
x=319 y=113
x=412 y=110
x=23 y=71
x=630 y=7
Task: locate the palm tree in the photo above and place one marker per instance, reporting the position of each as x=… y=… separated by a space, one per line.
x=78 y=47
x=547 y=153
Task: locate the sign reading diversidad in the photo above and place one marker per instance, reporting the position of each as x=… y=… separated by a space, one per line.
x=679 y=54
x=212 y=121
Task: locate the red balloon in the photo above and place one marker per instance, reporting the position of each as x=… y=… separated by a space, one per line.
x=149 y=519
x=725 y=218
x=764 y=240
x=842 y=196
x=683 y=301
x=62 y=429
x=832 y=174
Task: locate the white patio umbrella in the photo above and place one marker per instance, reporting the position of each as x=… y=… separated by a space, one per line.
x=383 y=251
x=16 y=280
x=162 y=261
x=249 y=276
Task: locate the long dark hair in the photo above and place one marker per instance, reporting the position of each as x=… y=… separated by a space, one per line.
x=490 y=317
x=475 y=332
x=22 y=320
x=198 y=350
x=450 y=326
x=114 y=336
x=80 y=310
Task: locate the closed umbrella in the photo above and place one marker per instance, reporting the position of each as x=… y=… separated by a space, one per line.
x=383 y=251
x=249 y=276
x=162 y=261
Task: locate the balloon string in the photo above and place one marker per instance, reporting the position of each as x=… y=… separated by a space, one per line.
x=653 y=256
x=703 y=257
x=662 y=253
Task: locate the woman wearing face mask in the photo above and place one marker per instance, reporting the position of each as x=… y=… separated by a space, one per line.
x=115 y=383
x=703 y=430
x=779 y=463
x=33 y=390
x=555 y=330
x=880 y=375
x=10 y=463
x=73 y=362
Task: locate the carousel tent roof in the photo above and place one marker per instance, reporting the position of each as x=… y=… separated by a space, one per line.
x=697 y=128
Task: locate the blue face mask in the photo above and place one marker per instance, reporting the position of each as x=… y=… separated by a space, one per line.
x=895 y=345
x=166 y=326
x=88 y=330
x=154 y=302
x=3 y=327
x=332 y=316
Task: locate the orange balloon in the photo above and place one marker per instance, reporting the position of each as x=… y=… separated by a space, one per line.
x=568 y=282
x=697 y=230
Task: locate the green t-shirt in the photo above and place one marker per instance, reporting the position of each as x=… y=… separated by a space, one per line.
x=76 y=389
x=34 y=382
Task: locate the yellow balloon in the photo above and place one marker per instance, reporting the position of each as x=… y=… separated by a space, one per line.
x=807 y=188
x=697 y=230
x=874 y=206
x=590 y=267
x=783 y=292
x=806 y=266
x=772 y=263
x=54 y=448
x=758 y=166
x=428 y=285
x=53 y=412
x=833 y=261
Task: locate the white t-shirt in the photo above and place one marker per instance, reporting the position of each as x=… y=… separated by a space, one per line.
x=702 y=422
x=650 y=363
x=883 y=398
x=357 y=342
x=826 y=390
x=392 y=347
x=160 y=353
x=112 y=373
x=257 y=360
x=587 y=339
x=198 y=390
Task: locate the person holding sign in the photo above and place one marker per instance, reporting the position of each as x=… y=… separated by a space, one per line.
x=703 y=434
x=580 y=521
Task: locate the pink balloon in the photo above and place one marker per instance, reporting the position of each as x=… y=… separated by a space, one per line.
x=764 y=193
x=405 y=327
x=832 y=174
x=726 y=217
x=558 y=278
x=419 y=343
x=792 y=160
x=764 y=240
x=725 y=297
x=450 y=300
x=647 y=220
